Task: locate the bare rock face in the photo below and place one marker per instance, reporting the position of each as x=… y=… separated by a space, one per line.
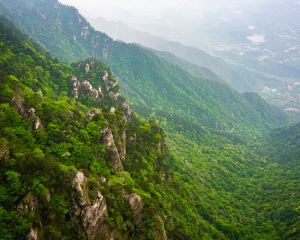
x=76 y=85
x=105 y=76
x=127 y=110
x=136 y=203
x=122 y=151
x=87 y=68
x=18 y=102
x=109 y=87
x=85 y=87
x=114 y=95
x=108 y=141
x=112 y=110
x=90 y=216
x=32 y=235
x=79 y=183
x=94 y=215
x=85 y=32
x=88 y=88
x=103 y=180
x=93 y=113
x=37 y=124
x=28 y=203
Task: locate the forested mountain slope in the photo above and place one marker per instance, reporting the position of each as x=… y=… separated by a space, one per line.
x=150 y=83
x=285 y=144
x=237 y=76
x=73 y=156
x=211 y=187
x=73 y=167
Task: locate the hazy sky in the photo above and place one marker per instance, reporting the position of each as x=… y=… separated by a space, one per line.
x=133 y=10
x=136 y=6
x=126 y=9
x=186 y=21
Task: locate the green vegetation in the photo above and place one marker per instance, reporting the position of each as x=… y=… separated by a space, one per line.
x=43 y=162
x=151 y=84
x=211 y=182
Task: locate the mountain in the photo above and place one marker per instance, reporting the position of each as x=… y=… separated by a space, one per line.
x=287 y=139
x=237 y=77
x=281 y=180
x=229 y=67
x=77 y=164
x=150 y=83
x=66 y=150
x=204 y=182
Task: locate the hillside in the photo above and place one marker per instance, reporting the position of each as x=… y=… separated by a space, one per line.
x=234 y=64
x=237 y=76
x=71 y=160
x=150 y=83
x=86 y=150
x=287 y=139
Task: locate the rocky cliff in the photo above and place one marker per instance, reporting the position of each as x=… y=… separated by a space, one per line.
x=72 y=153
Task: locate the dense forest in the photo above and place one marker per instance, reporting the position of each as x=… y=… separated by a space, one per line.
x=79 y=160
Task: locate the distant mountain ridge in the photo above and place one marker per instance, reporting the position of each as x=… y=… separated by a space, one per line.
x=150 y=83
x=211 y=185
x=238 y=77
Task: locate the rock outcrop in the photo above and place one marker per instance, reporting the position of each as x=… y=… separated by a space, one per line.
x=37 y=124
x=85 y=32
x=28 y=203
x=108 y=140
x=127 y=110
x=87 y=87
x=79 y=183
x=122 y=147
x=32 y=234
x=136 y=203
x=90 y=216
x=106 y=87
x=92 y=114
x=76 y=86
x=87 y=68
x=18 y=103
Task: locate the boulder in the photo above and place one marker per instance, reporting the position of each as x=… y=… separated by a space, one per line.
x=87 y=68
x=89 y=215
x=112 y=151
x=136 y=203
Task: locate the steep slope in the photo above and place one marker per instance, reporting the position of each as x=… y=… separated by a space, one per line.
x=150 y=83
x=278 y=184
x=237 y=76
x=246 y=68
x=71 y=155
x=287 y=139
x=191 y=68
x=208 y=194
x=76 y=164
